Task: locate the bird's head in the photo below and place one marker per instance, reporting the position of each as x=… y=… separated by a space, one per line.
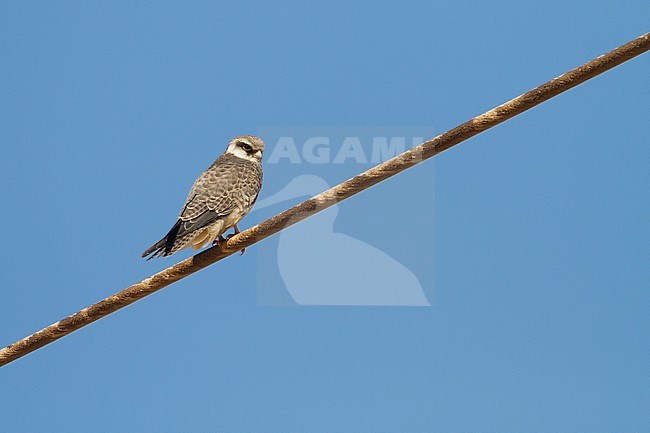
x=246 y=147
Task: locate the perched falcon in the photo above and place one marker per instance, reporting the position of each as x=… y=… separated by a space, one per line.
x=219 y=198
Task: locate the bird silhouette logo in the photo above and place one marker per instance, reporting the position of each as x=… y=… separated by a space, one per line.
x=334 y=268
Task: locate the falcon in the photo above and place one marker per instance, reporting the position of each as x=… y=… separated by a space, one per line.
x=218 y=200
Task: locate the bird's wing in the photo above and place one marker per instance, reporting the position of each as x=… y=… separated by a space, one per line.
x=210 y=198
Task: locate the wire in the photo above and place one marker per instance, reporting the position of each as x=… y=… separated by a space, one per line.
x=327 y=198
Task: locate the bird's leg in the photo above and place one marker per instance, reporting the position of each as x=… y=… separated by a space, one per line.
x=218 y=240
x=236 y=233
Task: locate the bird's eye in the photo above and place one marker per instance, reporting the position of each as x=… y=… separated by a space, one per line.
x=247 y=147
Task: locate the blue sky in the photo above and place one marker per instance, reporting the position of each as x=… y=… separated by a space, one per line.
x=530 y=241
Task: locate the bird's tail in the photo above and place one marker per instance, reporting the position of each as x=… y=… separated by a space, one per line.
x=157 y=248
x=165 y=246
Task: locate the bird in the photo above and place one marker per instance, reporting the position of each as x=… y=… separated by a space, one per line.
x=219 y=198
